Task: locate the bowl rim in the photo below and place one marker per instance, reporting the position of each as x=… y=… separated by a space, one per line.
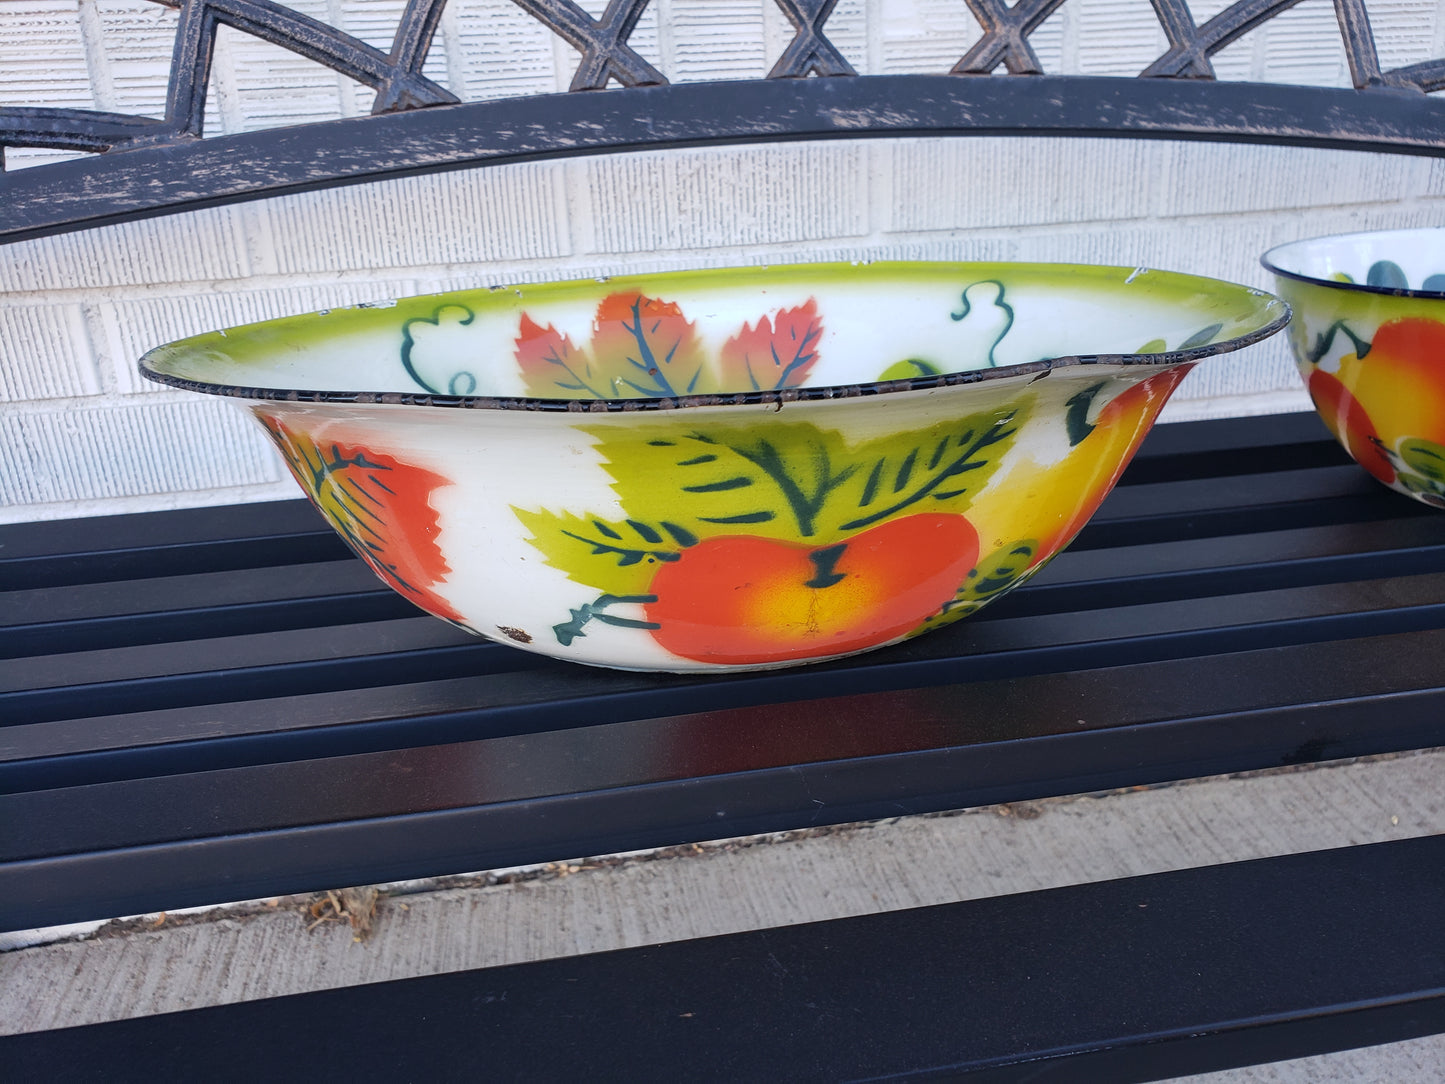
x=776 y=397
x=1351 y=287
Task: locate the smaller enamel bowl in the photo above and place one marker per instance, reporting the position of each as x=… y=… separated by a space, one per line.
x=728 y=469
x=1369 y=338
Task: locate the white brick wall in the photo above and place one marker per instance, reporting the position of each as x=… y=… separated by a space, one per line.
x=80 y=433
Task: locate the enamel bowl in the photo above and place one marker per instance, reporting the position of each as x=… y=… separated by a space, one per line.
x=1369 y=339
x=723 y=469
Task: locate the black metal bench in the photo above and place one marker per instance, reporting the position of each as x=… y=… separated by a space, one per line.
x=217 y=704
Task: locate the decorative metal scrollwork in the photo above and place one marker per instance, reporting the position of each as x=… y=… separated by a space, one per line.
x=1190 y=46
x=809 y=53
x=397 y=78
x=1005 y=38
x=607 y=57
x=602 y=42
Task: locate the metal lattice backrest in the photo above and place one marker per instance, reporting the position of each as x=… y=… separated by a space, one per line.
x=168 y=167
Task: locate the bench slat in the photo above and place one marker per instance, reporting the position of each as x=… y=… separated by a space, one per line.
x=1094 y=707
x=1135 y=979
x=435 y=809
x=417 y=649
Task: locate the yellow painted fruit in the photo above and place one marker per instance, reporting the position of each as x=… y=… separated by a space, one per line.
x=1052 y=502
x=1400 y=383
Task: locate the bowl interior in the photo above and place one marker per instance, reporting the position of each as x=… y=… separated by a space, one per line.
x=1390 y=260
x=723 y=331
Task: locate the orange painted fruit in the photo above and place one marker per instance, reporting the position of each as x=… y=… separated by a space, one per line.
x=744 y=600
x=1346 y=419
x=1398 y=390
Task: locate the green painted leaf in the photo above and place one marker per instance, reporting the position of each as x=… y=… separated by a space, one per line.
x=995 y=573
x=937 y=469
x=1001 y=569
x=798 y=481
x=730 y=479
x=908 y=369
x=1419 y=468
x=1387 y=273
x=618 y=557
x=1425 y=458
x=1076 y=413
x=1202 y=337
x=1326 y=339
x=599 y=610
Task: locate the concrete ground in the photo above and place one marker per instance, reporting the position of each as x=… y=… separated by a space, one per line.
x=164 y=963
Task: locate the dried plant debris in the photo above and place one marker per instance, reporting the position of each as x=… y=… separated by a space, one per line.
x=357 y=906
x=1024 y=811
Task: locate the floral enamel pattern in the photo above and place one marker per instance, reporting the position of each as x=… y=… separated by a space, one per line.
x=745 y=544
x=1053 y=501
x=758 y=544
x=640 y=347
x=645 y=347
x=379 y=505
x=1388 y=275
x=1384 y=400
x=754 y=544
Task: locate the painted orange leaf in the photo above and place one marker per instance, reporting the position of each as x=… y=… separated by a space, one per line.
x=645 y=346
x=550 y=361
x=380 y=505
x=774 y=354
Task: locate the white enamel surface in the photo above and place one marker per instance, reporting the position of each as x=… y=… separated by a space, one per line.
x=1419 y=253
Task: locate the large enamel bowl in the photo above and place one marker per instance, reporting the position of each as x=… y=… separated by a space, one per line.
x=723 y=469
x=1369 y=339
